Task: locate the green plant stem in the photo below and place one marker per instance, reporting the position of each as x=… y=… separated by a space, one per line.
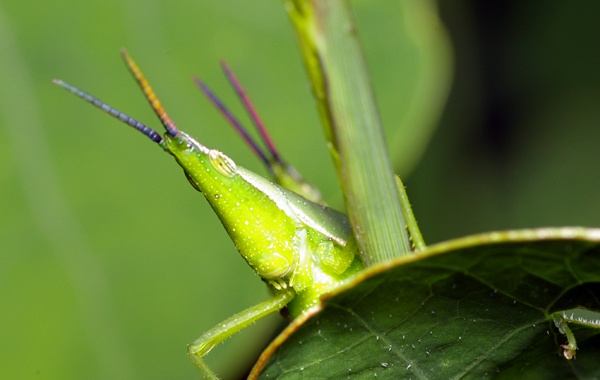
x=341 y=85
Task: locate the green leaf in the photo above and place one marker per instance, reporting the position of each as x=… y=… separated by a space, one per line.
x=474 y=307
x=352 y=126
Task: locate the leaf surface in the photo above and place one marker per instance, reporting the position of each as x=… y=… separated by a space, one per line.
x=477 y=307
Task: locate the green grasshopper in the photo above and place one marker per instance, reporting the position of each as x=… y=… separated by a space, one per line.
x=299 y=248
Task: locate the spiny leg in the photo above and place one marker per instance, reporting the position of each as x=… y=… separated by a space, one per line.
x=577 y=316
x=413 y=231
x=232 y=325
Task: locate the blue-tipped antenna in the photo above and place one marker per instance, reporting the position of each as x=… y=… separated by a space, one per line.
x=146 y=131
x=148 y=93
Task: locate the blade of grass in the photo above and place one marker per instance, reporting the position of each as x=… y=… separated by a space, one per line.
x=341 y=85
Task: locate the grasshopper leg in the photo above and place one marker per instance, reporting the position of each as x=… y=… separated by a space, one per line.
x=232 y=325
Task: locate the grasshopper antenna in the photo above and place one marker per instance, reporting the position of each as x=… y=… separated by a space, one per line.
x=150 y=95
x=233 y=121
x=262 y=130
x=146 y=131
x=283 y=173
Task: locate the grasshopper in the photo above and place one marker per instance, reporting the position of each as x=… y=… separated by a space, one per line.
x=299 y=248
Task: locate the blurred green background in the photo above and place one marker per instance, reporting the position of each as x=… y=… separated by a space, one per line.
x=110 y=263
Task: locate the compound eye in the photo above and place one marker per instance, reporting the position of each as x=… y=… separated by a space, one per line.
x=222 y=163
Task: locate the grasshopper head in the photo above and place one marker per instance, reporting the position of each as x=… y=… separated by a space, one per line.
x=261 y=229
x=192 y=156
x=253 y=210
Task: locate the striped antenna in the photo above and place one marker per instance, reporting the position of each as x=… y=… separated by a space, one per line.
x=233 y=121
x=147 y=131
x=262 y=130
x=150 y=95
